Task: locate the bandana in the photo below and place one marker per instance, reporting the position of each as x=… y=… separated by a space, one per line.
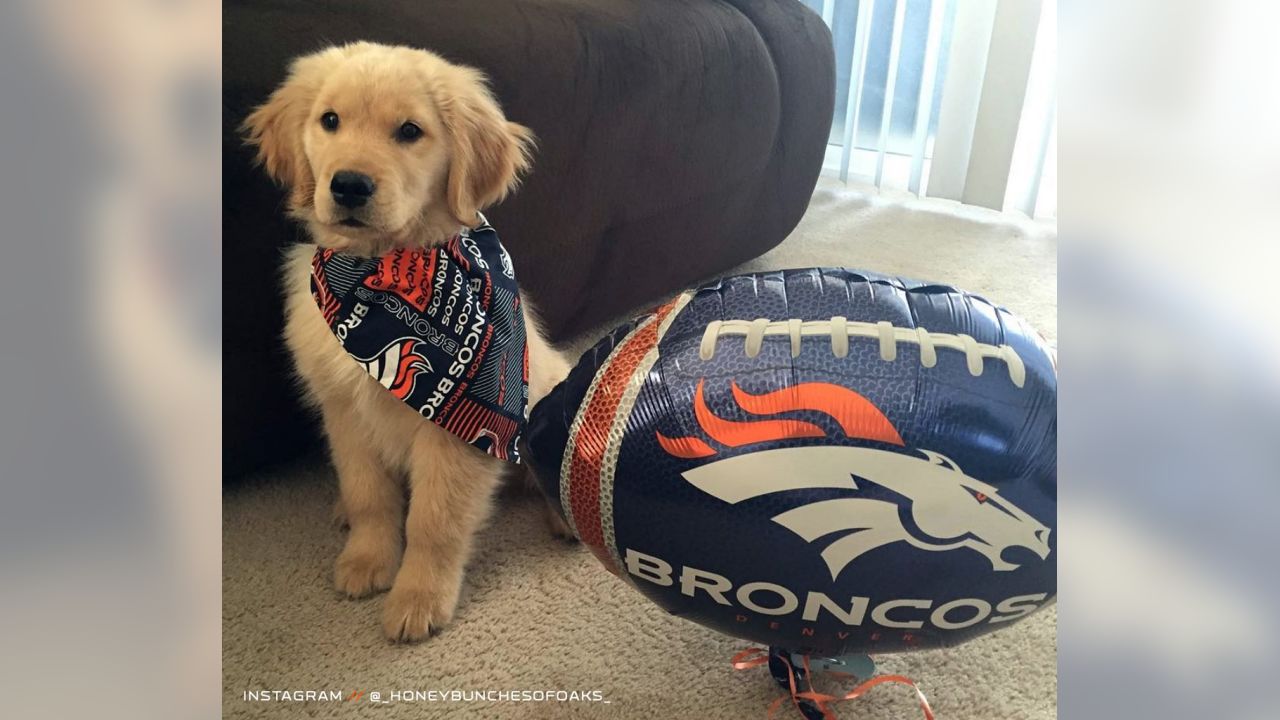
x=441 y=329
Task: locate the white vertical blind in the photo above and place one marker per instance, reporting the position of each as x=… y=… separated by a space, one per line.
x=924 y=101
x=895 y=51
x=1031 y=195
x=859 y=68
x=1036 y=130
x=949 y=98
x=970 y=42
x=1004 y=88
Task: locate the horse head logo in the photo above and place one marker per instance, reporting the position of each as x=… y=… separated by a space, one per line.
x=397 y=366
x=921 y=497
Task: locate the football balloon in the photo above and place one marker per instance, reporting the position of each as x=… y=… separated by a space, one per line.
x=826 y=460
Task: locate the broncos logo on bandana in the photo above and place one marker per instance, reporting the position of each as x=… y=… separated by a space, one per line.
x=397 y=366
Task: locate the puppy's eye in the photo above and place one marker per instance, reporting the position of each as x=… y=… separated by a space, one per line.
x=329 y=121
x=408 y=132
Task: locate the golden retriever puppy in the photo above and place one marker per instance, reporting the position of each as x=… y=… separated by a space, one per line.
x=386 y=149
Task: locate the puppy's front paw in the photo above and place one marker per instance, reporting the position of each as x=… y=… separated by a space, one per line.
x=413 y=613
x=363 y=569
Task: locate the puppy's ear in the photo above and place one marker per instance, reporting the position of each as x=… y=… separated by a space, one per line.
x=488 y=153
x=276 y=127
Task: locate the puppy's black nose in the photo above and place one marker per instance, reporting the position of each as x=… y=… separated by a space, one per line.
x=351 y=189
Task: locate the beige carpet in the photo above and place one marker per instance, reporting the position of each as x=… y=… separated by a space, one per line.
x=539 y=615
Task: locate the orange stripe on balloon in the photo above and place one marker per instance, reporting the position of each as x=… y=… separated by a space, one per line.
x=593 y=434
x=856 y=415
x=688 y=448
x=734 y=434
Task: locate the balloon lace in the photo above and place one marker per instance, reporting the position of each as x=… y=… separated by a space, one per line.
x=840 y=329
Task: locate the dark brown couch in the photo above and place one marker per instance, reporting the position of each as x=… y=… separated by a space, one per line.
x=676 y=138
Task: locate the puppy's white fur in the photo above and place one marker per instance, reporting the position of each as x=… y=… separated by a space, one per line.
x=468 y=157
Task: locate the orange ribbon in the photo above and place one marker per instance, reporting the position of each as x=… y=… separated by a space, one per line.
x=755 y=657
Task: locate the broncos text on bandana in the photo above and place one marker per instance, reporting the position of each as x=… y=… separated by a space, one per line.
x=441 y=329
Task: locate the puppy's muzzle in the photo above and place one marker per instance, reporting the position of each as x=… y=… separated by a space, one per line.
x=351 y=189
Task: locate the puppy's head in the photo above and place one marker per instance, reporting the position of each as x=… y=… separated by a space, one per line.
x=385 y=147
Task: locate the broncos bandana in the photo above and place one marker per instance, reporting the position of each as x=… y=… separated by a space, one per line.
x=441 y=329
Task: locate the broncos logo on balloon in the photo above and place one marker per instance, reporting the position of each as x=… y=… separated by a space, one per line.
x=397 y=366
x=950 y=509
